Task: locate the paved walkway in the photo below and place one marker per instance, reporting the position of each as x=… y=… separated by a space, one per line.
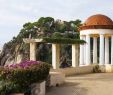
x=89 y=84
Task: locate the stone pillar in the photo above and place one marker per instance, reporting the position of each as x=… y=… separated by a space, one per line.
x=95 y=50
x=101 y=57
x=33 y=51
x=106 y=50
x=112 y=50
x=55 y=56
x=75 y=51
x=81 y=52
x=88 y=53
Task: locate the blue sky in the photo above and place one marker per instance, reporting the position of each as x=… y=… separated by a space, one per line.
x=14 y=13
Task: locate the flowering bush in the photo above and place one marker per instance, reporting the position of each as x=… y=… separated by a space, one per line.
x=25 y=73
x=24 y=64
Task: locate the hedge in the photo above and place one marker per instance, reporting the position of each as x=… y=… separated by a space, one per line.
x=63 y=40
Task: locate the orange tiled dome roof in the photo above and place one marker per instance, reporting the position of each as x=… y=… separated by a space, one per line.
x=98 y=22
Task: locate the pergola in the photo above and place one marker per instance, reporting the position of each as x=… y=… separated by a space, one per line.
x=55 y=52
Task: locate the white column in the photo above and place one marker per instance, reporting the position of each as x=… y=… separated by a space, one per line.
x=95 y=50
x=75 y=52
x=106 y=50
x=101 y=57
x=84 y=50
x=55 y=56
x=81 y=52
x=112 y=50
x=33 y=51
x=88 y=53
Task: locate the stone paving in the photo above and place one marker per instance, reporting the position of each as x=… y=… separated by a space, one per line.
x=88 y=84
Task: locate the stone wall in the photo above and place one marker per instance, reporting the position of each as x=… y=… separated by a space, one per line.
x=75 y=70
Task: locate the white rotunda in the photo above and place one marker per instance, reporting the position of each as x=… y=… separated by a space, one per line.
x=97 y=31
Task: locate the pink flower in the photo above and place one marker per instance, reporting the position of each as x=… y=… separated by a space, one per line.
x=24 y=64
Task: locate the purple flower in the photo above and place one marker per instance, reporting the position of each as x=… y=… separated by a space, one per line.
x=24 y=64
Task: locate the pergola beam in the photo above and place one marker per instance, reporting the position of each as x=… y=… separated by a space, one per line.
x=27 y=40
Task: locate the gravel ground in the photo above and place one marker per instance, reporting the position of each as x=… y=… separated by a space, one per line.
x=88 y=84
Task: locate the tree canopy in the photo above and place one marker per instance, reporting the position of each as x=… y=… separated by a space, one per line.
x=43 y=27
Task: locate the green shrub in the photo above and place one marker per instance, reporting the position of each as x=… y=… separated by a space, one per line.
x=64 y=40
x=68 y=35
x=96 y=69
x=36 y=73
x=9 y=87
x=21 y=76
x=56 y=35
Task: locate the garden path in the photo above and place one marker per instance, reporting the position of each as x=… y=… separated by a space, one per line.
x=88 y=84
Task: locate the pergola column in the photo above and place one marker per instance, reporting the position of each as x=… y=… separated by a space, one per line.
x=106 y=50
x=88 y=55
x=112 y=50
x=32 y=51
x=101 y=58
x=95 y=50
x=55 y=56
x=81 y=52
x=75 y=52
